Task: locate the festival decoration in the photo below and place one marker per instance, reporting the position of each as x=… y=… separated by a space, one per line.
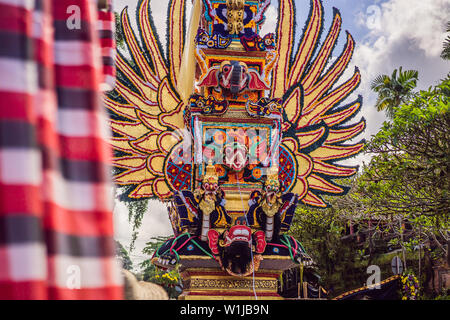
x=409 y=287
x=233 y=76
x=263 y=132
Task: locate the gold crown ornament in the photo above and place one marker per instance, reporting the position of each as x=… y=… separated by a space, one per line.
x=211 y=175
x=272 y=177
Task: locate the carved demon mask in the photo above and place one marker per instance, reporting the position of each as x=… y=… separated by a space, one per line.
x=271 y=194
x=210 y=183
x=272 y=185
x=236 y=247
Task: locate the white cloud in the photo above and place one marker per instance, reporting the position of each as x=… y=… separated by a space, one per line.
x=408 y=33
x=270 y=22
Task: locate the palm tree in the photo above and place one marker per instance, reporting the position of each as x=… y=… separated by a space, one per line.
x=446 y=51
x=394 y=90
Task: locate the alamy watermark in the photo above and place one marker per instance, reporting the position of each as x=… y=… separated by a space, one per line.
x=73 y=280
x=373 y=14
x=373 y=282
x=73 y=22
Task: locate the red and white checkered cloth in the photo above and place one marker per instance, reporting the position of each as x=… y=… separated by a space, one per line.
x=56 y=223
x=106 y=27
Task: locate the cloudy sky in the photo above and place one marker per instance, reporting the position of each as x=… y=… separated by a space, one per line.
x=388 y=34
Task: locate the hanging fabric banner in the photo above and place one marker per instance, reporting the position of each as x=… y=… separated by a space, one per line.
x=56 y=223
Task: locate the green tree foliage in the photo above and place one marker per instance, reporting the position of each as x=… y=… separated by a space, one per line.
x=409 y=171
x=394 y=90
x=408 y=179
x=149 y=272
x=120 y=37
x=322 y=232
x=136 y=210
x=123 y=256
x=399 y=204
x=446 y=47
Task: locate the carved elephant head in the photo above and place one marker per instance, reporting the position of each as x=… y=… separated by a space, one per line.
x=233 y=76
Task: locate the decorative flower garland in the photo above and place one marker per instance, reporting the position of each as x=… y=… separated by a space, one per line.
x=167 y=279
x=410 y=287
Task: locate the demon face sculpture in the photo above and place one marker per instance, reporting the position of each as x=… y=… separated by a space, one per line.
x=233 y=77
x=198 y=211
x=271 y=196
x=237 y=249
x=271 y=210
x=210 y=199
x=271 y=203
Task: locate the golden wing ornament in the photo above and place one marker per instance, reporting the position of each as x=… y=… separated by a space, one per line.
x=315 y=128
x=147 y=109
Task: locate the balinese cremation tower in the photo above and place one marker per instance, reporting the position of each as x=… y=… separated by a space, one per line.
x=258 y=134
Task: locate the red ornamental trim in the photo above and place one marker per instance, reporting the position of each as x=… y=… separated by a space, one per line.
x=249 y=293
x=338 y=68
x=317 y=15
x=333 y=170
x=340 y=116
x=325 y=51
x=283 y=15
x=223 y=273
x=352 y=131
